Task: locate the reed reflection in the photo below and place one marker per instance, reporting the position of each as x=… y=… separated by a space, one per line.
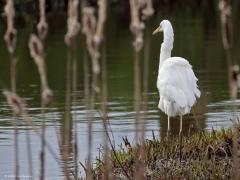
x=233 y=70
x=66 y=128
x=10 y=38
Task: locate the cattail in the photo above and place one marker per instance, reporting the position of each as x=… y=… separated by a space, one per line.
x=36 y=51
x=42 y=26
x=136 y=25
x=225 y=14
x=18 y=107
x=235 y=81
x=101 y=20
x=234 y=85
x=10 y=36
x=148 y=10
x=35 y=46
x=47 y=96
x=140 y=10
x=15 y=102
x=89 y=26
x=73 y=25
x=93 y=29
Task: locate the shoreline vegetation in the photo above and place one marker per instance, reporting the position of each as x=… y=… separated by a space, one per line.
x=205 y=155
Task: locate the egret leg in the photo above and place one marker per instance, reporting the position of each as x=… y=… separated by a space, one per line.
x=168 y=129
x=180 y=138
x=168 y=137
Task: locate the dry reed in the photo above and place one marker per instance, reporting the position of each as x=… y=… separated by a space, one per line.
x=104 y=108
x=19 y=108
x=42 y=26
x=75 y=82
x=10 y=36
x=226 y=27
x=225 y=15
x=46 y=92
x=89 y=113
x=36 y=51
x=73 y=25
x=140 y=11
x=93 y=30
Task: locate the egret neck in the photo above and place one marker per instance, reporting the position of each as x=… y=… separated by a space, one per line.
x=167 y=44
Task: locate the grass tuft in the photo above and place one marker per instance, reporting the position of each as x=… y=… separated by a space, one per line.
x=205 y=155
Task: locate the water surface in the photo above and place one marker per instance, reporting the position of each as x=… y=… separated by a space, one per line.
x=197 y=38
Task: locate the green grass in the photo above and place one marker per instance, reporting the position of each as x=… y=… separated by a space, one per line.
x=205 y=155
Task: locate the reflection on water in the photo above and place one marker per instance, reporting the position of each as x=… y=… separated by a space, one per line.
x=196 y=38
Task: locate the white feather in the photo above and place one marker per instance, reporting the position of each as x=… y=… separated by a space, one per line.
x=177 y=83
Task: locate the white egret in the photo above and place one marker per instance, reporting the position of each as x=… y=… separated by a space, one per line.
x=176 y=82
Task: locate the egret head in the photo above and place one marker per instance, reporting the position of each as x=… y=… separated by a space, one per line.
x=164 y=23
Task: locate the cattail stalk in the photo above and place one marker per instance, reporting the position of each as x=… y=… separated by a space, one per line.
x=73 y=28
x=89 y=26
x=19 y=108
x=74 y=84
x=136 y=25
x=36 y=51
x=140 y=10
x=73 y=25
x=93 y=29
x=234 y=86
x=225 y=17
x=42 y=26
x=106 y=158
x=87 y=99
x=10 y=36
x=101 y=21
x=67 y=118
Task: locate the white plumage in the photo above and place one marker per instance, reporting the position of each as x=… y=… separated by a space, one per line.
x=176 y=82
x=177 y=87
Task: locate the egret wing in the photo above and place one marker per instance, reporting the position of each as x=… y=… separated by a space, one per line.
x=177 y=82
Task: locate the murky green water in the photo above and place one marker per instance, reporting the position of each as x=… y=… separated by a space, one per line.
x=197 y=38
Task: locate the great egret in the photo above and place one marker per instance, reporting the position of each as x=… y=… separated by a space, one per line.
x=176 y=82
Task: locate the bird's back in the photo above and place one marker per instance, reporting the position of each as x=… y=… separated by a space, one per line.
x=177 y=85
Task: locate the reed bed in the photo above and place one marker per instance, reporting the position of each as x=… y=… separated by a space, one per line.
x=205 y=155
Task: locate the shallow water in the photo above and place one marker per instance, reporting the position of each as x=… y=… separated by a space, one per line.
x=197 y=38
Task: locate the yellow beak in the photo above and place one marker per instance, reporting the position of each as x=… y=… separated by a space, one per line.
x=156 y=31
